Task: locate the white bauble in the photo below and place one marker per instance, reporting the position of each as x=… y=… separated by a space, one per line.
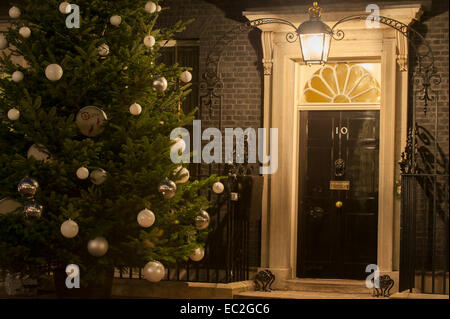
x=98 y=247
x=154 y=271
x=17 y=76
x=145 y=218
x=150 y=7
x=184 y=174
x=160 y=84
x=14 y=12
x=3 y=42
x=54 y=72
x=40 y=153
x=13 y=114
x=158 y=8
x=69 y=229
x=218 y=188
x=149 y=41
x=179 y=146
x=64 y=7
x=25 y=32
x=115 y=20
x=98 y=176
x=186 y=76
x=82 y=173
x=135 y=109
x=103 y=49
x=197 y=254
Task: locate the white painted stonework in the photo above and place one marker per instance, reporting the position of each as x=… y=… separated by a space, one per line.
x=282 y=63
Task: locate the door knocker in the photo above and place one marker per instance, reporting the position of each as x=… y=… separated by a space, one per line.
x=339 y=166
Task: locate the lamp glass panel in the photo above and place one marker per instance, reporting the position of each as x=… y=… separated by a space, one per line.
x=315 y=47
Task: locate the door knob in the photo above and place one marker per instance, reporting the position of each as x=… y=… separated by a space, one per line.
x=339 y=204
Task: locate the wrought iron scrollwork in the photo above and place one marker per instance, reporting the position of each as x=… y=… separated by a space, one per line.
x=386 y=283
x=264 y=280
x=425 y=73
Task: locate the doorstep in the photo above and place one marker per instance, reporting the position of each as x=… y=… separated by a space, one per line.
x=137 y=288
x=413 y=295
x=292 y=294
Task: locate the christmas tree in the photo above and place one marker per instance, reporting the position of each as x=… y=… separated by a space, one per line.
x=85 y=139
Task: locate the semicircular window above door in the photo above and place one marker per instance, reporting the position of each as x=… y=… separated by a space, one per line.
x=342 y=83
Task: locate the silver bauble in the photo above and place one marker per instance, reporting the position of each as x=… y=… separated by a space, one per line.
x=202 y=220
x=218 y=188
x=98 y=176
x=168 y=189
x=40 y=153
x=146 y=218
x=91 y=120
x=69 y=228
x=183 y=173
x=154 y=271
x=98 y=247
x=197 y=254
x=160 y=84
x=33 y=210
x=27 y=187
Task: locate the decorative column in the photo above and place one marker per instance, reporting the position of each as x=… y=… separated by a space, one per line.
x=267 y=46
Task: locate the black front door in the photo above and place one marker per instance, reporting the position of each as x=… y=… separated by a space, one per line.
x=338 y=193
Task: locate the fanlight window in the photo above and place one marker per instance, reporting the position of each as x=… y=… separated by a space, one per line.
x=342 y=83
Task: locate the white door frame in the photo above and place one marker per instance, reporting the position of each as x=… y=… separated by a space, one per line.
x=280 y=195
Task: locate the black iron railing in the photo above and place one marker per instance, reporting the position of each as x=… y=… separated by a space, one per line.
x=425 y=233
x=227 y=250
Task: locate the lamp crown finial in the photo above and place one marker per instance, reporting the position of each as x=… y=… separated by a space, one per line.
x=315 y=11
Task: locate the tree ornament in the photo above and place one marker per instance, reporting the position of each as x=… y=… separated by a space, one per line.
x=149 y=41
x=82 y=173
x=90 y=120
x=33 y=210
x=54 y=72
x=13 y=114
x=3 y=42
x=179 y=146
x=98 y=176
x=135 y=109
x=218 y=188
x=183 y=173
x=154 y=271
x=197 y=254
x=150 y=7
x=27 y=187
x=69 y=229
x=64 y=7
x=186 y=76
x=14 y=12
x=202 y=220
x=9 y=206
x=115 y=20
x=97 y=247
x=168 y=189
x=103 y=49
x=145 y=218
x=17 y=76
x=160 y=84
x=25 y=32
x=40 y=153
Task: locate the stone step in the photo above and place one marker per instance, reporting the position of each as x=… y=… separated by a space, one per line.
x=340 y=286
x=283 y=294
